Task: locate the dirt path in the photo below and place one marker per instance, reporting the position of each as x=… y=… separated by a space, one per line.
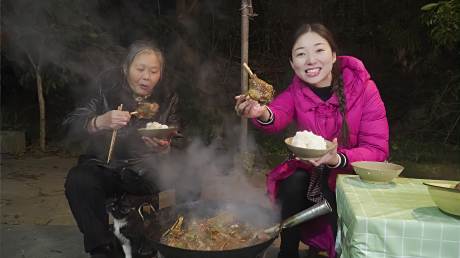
x=32 y=191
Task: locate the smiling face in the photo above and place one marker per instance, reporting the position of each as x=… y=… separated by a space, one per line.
x=144 y=73
x=312 y=59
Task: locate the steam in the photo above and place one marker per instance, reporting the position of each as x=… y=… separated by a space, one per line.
x=215 y=167
x=93 y=41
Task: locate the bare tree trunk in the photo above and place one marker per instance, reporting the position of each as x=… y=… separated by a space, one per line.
x=41 y=101
x=244 y=75
x=41 y=104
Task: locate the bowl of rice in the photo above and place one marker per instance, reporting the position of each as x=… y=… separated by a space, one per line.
x=155 y=129
x=307 y=145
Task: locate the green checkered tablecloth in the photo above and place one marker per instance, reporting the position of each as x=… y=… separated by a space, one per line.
x=398 y=219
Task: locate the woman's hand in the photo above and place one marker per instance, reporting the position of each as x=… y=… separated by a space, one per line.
x=112 y=120
x=249 y=108
x=157 y=145
x=330 y=158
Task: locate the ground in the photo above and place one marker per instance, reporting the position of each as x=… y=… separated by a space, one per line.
x=36 y=221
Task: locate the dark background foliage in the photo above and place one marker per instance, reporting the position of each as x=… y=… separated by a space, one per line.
x=412 y=54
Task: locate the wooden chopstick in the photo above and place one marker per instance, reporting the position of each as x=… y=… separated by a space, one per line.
x=114 y=136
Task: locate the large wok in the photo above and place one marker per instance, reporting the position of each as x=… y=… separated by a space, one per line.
x=259 y=217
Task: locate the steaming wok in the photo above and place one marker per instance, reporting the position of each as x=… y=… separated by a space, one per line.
x=259 y=217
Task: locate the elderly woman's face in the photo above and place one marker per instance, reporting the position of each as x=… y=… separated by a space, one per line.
x=312 y=60
x=144 y=72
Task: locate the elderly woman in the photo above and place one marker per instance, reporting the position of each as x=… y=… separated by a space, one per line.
x=132 y=165
x=331 y=96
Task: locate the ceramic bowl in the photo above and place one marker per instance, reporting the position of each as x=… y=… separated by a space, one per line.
x=445 y=196
x=377 y=172
x=304 y=153
x=161 y=133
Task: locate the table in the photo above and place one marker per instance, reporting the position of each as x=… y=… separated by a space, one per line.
x=397 y=219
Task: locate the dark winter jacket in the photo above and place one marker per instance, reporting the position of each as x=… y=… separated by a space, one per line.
x=113 y=90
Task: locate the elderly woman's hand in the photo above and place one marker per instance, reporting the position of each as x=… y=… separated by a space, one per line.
x=112 y=120
x=157 y=145
x=249 y=108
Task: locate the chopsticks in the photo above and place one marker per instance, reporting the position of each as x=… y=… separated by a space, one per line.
x=114 y=136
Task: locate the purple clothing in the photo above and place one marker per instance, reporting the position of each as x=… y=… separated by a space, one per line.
x=368 y=132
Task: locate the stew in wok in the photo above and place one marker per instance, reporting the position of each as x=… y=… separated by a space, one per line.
x=221 y=232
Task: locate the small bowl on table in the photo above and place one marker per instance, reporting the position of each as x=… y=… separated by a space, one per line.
x=308 y=154
x=377 y=172
x=445 y=196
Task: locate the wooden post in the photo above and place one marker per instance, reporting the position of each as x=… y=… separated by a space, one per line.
x=244 y=75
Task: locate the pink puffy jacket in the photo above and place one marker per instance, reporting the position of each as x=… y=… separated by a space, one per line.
x=366 y=119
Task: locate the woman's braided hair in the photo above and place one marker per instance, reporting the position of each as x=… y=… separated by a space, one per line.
x=337 y=87
x=337 y=81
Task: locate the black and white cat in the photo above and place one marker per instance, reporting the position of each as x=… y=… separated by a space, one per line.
x=128 y=223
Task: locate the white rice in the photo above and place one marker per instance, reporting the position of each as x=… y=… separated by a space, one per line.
x=309 y=140
x=155 y=125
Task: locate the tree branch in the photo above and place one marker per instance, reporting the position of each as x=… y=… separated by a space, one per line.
x=32 y=61
x=451 y=129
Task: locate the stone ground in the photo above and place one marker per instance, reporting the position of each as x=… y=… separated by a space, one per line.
x=36 y=221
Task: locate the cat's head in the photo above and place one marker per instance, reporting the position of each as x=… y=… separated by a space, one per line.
x=119 y=208
x=122 y=207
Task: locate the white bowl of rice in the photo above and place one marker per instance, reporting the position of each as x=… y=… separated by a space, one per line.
x=155 y=125
x=155 y=129
x=307 y=145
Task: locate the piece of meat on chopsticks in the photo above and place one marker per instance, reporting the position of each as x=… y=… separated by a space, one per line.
x=146 y=110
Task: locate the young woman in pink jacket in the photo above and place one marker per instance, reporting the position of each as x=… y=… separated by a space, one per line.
x=331 y=96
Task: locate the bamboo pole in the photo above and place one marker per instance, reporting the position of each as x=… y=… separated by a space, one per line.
x=244 y=75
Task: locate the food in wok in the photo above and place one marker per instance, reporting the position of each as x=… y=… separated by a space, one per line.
x=221 y=232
